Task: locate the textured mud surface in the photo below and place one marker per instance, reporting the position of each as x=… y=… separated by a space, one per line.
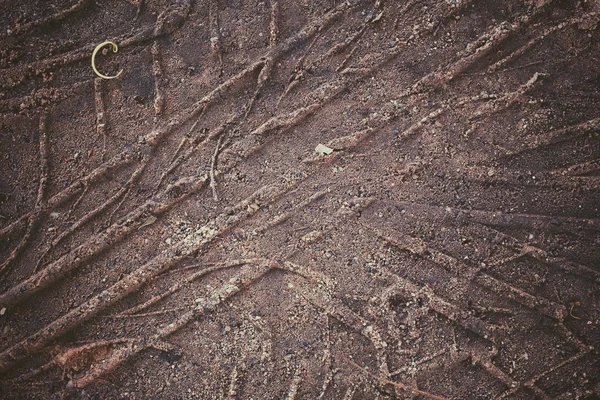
x=174 y=234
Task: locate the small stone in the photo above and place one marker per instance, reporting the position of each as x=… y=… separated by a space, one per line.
x=168 y=241
x=3 y=311
x=227 y=328
x=396 y=132
x=393 y=43
x=323 y=150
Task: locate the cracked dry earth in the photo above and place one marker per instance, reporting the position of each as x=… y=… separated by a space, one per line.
x=173 y=234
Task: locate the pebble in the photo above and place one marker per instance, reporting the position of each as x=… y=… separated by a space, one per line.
x=168 y=241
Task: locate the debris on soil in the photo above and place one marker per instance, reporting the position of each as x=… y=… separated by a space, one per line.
x=100 y=46
x=323 y=150
x=151 y=219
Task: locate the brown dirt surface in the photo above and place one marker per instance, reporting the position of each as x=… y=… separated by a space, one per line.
x=174 y=233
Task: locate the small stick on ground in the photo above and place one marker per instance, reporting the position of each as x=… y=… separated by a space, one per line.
x=397 y=384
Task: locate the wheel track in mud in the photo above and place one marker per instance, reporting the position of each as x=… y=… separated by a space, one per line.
x=415 y=244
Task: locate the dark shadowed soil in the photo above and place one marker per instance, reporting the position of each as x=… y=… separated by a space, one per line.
x=300 y=199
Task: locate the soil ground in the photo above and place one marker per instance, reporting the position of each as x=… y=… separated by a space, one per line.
x=300 y=199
